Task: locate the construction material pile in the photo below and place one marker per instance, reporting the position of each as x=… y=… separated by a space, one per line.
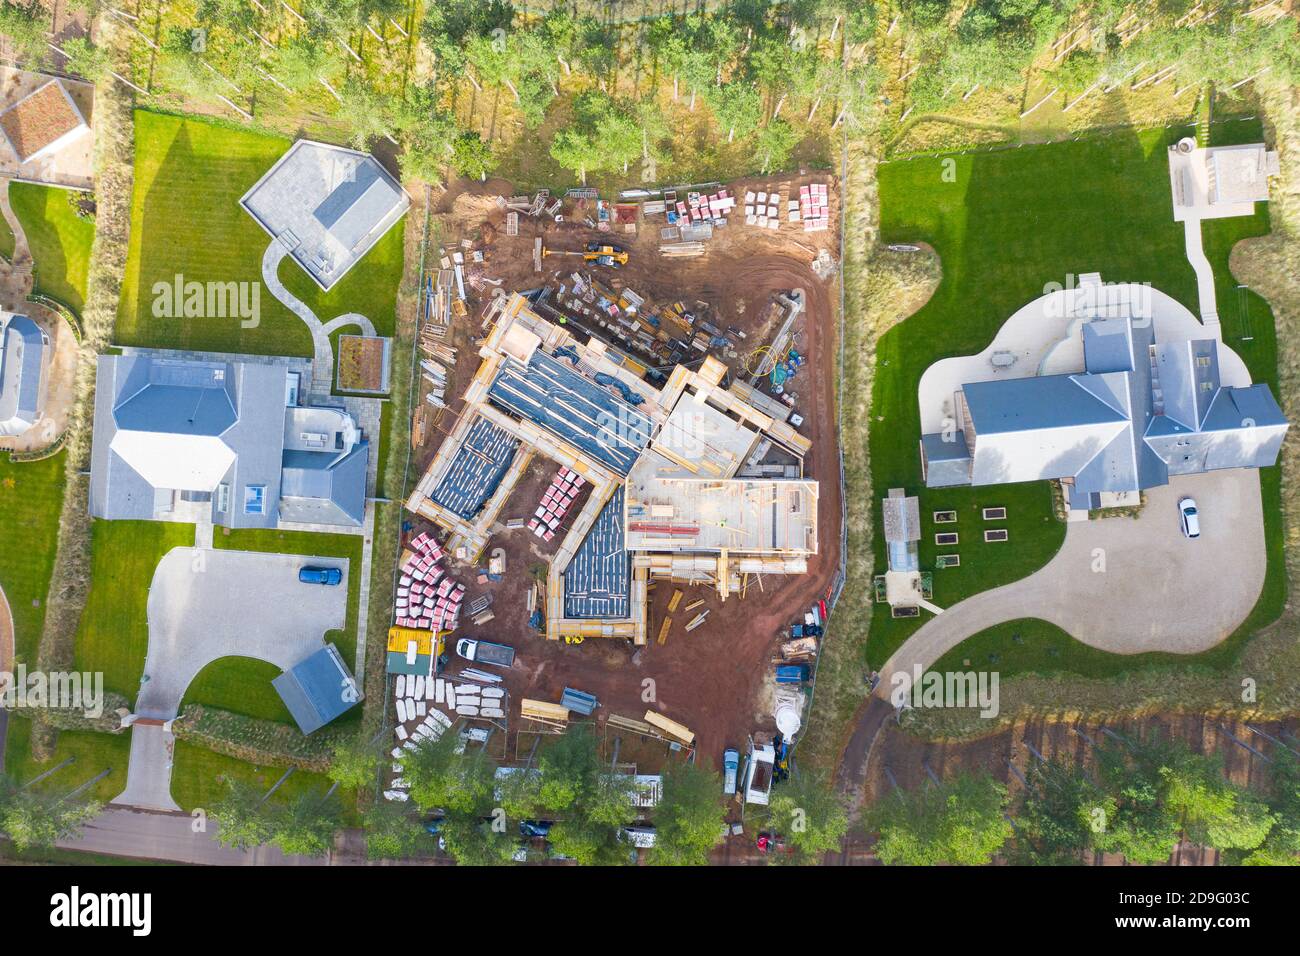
x=763 y=209
x=556 y=501
x=813 y=207
x=426 y=598
x=699 y=208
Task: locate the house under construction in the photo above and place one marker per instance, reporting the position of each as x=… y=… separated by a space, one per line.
x=693 y=483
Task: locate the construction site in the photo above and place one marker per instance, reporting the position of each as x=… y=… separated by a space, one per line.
x=625 y=477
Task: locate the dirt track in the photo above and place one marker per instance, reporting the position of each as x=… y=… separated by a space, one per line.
x=713 y=679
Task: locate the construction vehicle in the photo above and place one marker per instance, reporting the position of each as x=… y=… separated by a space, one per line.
x=603 y=254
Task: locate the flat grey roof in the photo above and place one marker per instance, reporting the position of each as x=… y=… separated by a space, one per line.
x=328 y=205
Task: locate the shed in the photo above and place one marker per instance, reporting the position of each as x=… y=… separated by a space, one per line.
x=317 y=689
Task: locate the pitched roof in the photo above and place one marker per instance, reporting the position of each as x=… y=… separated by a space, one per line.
x=23 y=370
x=1142 y=412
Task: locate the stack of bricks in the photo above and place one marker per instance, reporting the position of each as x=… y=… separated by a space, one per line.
x=813 y=208
x=556 y=501
x=426 y=598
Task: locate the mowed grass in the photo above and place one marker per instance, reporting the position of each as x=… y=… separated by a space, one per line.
x=31 y=500
x=1005 y=224
x=241 y=685
x=92 y=753
x=197 y=780
x=1033 y=646
x=59 y=241
x=186 y=220
x=113 y=635
x=320 y=545
x=6 y=240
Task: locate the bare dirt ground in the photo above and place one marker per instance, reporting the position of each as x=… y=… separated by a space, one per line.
x=712 y=679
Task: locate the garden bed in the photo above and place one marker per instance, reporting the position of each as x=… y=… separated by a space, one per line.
x=363 y=364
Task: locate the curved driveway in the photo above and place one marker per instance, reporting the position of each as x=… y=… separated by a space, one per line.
x=1128 y=585
x=205 y=605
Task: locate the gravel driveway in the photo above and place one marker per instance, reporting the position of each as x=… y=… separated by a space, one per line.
x=1157 y=591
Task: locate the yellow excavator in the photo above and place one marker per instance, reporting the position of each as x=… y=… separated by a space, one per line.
x=600 y=253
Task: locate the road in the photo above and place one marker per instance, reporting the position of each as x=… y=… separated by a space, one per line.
x=144 y=834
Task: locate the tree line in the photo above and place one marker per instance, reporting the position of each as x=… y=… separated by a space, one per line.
x=1142 y=798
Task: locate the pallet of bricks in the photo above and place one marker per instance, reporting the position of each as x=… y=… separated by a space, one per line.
x=763 y=209
x=813 y=207
x=556 y=501
x=426 y=598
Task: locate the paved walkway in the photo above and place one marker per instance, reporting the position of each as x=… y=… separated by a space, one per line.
x=149 y=772
x=322 y=380
x=1129 y=585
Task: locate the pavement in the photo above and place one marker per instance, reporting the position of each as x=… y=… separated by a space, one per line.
x=1129 y=585
x=204 y=605
x=149 y=771
x=323 y=362
x=177 y=837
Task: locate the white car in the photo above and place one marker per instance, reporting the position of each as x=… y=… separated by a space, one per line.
x=1190 y=518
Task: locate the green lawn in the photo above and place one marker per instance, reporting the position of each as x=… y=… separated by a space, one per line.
x=196 y=782
x=186 y=220
x=113 y=635
x=1033 y=646
x=6 y=239
x=1006 y=224
x=93 y=753
x=59 y=241
x=31 y=499
x=309 y=543
x=240 y=685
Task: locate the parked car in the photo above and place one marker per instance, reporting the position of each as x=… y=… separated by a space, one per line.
x=1190 y=517
x=434 y=826
x=535 y=828
x=320 y=575
x=730 y=765
x=485 y=652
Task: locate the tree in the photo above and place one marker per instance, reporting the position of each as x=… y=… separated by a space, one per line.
x=1282 y=846
x=474 y=842
x=85 y=59
x=1213 y=811
x=776 y=141
x=440 y=778
x=589 y=843
x=392 y=833
x=568 y=769
x=367 y=112
x=37 y=819
x=354 y=763
x=306 y=825
x=958 y=822
x=690 y=817
x=1143 y=826
x=241 y=815
x=1063 y=810
x=471 y=155
x=810 y=815
x=25 y=25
